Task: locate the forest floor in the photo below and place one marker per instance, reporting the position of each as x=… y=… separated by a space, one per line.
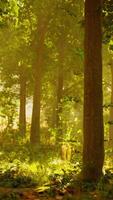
x=32 y=194
x=54 y=193
x=21 y=179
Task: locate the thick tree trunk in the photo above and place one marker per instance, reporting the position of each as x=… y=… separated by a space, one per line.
x=22 y=112
x=93 y=147
x=35 y=124
x=111 y=110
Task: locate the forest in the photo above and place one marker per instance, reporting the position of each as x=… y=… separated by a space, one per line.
x=56 y=100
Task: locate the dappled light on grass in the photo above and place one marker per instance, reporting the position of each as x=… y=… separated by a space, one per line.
x=50 y=177
x=48 y=174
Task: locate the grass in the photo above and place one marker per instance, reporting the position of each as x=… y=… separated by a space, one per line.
x=43 y=170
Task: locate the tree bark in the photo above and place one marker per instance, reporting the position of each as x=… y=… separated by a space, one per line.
x=93 y=147
x=22 y=112
x=111 y=111
x=35 y=124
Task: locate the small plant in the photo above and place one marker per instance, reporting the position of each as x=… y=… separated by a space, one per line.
x=12 y=177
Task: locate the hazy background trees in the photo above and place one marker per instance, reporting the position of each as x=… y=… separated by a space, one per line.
x=41 y=78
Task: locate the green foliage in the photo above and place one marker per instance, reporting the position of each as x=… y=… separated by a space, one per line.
x=13 y=178
x=8 y=13
x=105 y=185
x=8 y=107
x=22 y=166
x=108 y=20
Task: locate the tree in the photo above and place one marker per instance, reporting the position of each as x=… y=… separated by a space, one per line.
x=35 y=125
x=93 y=147
x=65 y=37
x=22 y=112
x=25 y=26
x=60 y=91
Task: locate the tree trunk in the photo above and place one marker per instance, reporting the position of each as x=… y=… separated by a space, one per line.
x=60 y=91
x=111 y=110
x=35 y=124
x=93 y=147
x=22 y=112
x=59 y=103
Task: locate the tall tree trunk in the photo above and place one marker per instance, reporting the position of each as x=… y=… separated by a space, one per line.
x=22 y=112
x=60 y=84
x=59 y=95
x=111 y=110
x=93 y=147
x=35 y=124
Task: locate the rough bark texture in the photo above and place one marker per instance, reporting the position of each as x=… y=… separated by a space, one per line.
x=93 y=147
x=22 y=112
x=111 y=110
x=35 y=124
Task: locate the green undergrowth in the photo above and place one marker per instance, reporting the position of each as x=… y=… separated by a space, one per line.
x=19 y=174
x=72 y=188
x=16 y=175
x=26 y=166
x=43 y=169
